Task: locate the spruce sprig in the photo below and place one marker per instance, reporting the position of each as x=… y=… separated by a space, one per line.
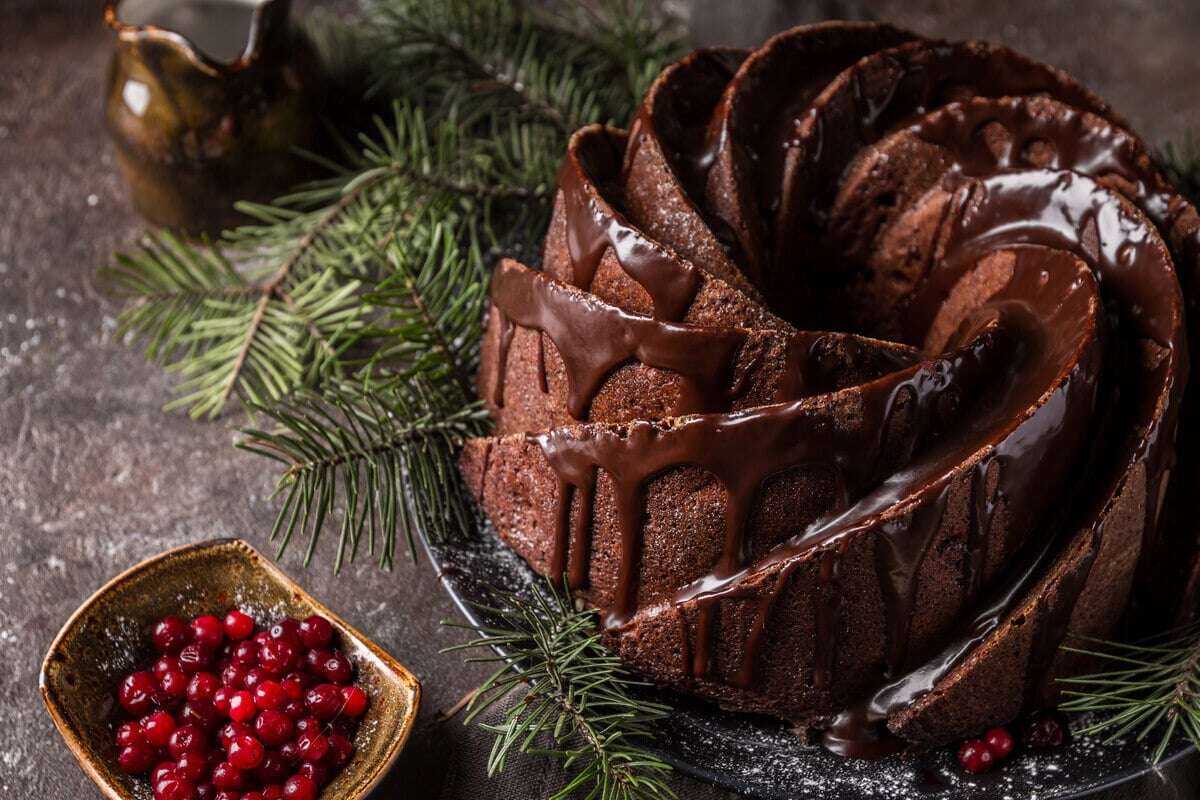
x=580 y=706
x=1181 y=162
x=1150 y=687
x=384 y=460
x=225 y=333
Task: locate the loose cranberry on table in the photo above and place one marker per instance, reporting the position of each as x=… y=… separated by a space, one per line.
x=1043 y=733
x=232 y=712
x=975 y=757
x=1000 y=742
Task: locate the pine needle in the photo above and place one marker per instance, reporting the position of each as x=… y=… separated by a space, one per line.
x=383 y=460
x=581 y=706
x=1149 y=688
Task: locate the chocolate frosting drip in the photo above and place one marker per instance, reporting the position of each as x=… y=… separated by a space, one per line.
x=839 y=530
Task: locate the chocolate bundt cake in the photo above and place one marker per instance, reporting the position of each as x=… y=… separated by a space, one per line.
x=849 y=385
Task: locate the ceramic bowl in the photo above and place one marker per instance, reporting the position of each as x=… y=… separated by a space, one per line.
x=110 y=635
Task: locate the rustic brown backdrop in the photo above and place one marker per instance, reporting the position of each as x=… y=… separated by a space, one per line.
x=93 y=477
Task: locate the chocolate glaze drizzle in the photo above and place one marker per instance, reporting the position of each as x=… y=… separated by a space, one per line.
x=1051 y=313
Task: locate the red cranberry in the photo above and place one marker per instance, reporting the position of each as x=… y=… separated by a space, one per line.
x=227 y=794
x=294 y=686
x=191 y=766
x=255 y=676
x=273 y=792
x=308 y=725
x=187 y=739
x=341 y=750
x=269 y=695
x=324 y=701
x=312 y=746
x=975 y=757
x=164 y=665
x=276 y=656
x=252 y=796
x=206 y=791
x=1000 y=742
x=238 y=625
x=234 y=676
x=289 y=753
x=175 y=788
x=315 y=659
x=299 y=787
x=226 y=776
x=261 y=638
x=170 y=635
x=343 y=726
x=231 y=731
x=200 y=713
x=289 y=631
x=316 y=632
x=273 y=727
x=195 y=658
x=203 y=686
x=175 y=684
x=246 y=752
x=208 y=631
x=354 y=701
x=220 y=699
x=244 y=654
x=158 y=728
x=241 y=706
x=317 y=773
x=295 y=709
x=136 y=693
x=273 y=769
x=130 y=733
x=166 y=769
x=1042 y=733
x=337 y=668
x=136 y=758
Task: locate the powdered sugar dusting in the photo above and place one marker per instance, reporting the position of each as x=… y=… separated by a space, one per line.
x=761 y=757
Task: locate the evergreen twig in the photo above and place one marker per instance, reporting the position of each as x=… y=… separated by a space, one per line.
x=390 y=454
x=1151 y=686
x=580 y=706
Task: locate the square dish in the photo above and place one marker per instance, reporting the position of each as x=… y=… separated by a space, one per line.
x=109 y=635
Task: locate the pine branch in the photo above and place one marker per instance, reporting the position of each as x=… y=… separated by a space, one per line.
x=433 y=300
x=222 y=333
x=581 y=706
x=1151 y=687
x=391 y=454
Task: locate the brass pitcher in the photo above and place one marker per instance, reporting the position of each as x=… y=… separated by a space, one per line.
x=207 y=102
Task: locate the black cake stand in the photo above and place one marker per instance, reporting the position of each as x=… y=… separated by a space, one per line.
x=759 y=757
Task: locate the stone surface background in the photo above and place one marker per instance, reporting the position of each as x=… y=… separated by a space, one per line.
x=93 y=477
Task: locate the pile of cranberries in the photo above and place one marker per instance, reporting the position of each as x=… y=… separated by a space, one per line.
x=980 y=755
x=229 y=712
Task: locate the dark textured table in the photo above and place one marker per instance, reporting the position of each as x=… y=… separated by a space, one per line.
x=93 y=477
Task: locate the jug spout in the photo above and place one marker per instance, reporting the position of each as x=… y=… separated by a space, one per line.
x=207 y=102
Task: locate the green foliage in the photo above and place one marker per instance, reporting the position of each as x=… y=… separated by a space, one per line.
x=581 y=706
x=224 y=334
x=1181 y=162
x=1150 y=688
x=390 y=453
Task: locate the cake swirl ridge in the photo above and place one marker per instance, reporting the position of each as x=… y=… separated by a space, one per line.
x=850 y=382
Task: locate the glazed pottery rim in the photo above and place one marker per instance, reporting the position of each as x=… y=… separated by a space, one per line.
x=128 y=31
x=75 y=743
